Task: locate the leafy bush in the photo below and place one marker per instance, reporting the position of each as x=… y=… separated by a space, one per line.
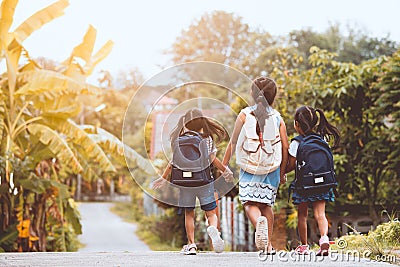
x=388 y=233
x=152 y=230
x=8 y=238
x=384 y=239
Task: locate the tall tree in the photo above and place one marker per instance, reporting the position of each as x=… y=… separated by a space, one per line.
x=220 y=37
x=355 y=47
x=388 y=110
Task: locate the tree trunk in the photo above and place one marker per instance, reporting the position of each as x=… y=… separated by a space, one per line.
x=372 y=213
x=371 y=202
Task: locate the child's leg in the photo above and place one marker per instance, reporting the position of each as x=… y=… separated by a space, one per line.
x=319 y=214
x=260 y=224
x=212 y=217
x=302 y=213
x=212 y=230
x=189 y=225
x=269 y=214
x=252 y=212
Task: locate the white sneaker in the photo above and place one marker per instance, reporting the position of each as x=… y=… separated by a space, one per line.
x=189 y=249
x=261 y=236
x=217 y=242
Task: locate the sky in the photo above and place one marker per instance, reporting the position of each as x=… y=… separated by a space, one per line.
x=142 y=30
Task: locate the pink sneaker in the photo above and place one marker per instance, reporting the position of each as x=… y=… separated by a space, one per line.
x=323 y=246
x=302 y=250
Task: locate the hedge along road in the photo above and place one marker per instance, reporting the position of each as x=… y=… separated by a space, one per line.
x=103 y=231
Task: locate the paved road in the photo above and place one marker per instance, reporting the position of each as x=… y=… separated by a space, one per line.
x=112 y=242
x=152 y=258
x=103 y=231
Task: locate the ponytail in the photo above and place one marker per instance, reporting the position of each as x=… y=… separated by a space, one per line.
x=263 y=91
x=307 y=119
x=326 y=130
x=261 y=115
x=211 y=128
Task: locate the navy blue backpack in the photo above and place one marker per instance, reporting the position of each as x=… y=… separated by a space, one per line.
x=314 y=172
x=191 y=165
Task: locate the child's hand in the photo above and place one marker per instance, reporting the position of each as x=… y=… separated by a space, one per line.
x=283 y=179
x=228 y=175
x=160 y=182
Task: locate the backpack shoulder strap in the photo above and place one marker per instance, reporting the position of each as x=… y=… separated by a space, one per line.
x=278 y=117
x=298 y=138
x=246 y=110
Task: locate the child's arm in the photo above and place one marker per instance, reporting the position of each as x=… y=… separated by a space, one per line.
x=217 y=163
x=235 y=135
x=285 y=152
x=291 y=164
x=226 y=172
x=167 y=171
x=160 y=182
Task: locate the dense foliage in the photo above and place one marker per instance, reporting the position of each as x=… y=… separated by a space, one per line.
x=354 y=78
x=45 y=108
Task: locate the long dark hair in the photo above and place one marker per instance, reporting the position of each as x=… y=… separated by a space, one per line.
x=194 y=120
x=263 y=91
x=307 y=118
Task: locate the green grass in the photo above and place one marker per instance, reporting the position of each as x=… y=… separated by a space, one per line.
x=125 y=211
x=154 y=242
x=129 y=214
x=383 y=241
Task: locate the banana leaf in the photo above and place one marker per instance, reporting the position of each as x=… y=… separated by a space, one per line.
x=73 y=216
x=56 y=144
x=39 y=186
x=92 y=151
x=7 y=10
x=103 y=52
x=8 y=238
x=40 y=18
x=85 y=49
x=123 y=153
x=52 y=84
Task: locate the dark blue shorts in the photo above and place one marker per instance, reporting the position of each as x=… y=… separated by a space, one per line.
x=205 y=194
